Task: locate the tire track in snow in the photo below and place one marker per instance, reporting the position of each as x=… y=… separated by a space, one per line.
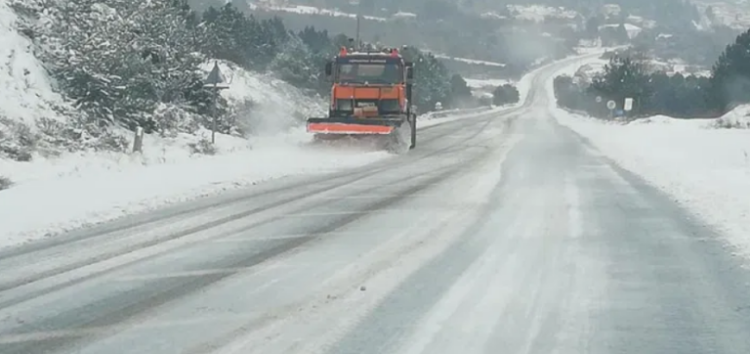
x=352 y=177
x=383 y=272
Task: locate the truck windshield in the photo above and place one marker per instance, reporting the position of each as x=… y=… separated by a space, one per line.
x=371 y=73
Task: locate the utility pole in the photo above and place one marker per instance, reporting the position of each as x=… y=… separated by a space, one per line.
x=358 y=3
x=358 y=22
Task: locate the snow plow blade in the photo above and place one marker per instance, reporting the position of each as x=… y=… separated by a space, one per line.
x=353 y=126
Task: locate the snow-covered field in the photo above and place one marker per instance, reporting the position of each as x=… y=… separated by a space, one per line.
x=310 y=10
x=538 y=13
x=703 y=168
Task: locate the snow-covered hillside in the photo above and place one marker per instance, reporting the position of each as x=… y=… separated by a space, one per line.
x=732 y=13
x=264 y=103
x=27 y=92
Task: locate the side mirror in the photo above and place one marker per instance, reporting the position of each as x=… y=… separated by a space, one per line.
x=409 y=71
x=329 y=69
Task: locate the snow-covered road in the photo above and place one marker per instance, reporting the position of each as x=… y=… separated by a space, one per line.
x=500 y=233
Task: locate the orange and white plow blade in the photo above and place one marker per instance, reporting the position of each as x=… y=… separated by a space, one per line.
x=343 y=128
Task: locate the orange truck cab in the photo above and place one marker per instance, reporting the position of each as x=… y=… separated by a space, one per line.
x=371 y=94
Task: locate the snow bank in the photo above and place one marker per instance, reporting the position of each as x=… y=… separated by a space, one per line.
x=27 y=92
x=706 y=170
x=737 y=118
x=99 y=190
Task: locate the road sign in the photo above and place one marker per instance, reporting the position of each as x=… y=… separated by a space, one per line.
x=215 y=77
x=212 y=81
x=628 y=104
x=611 y=104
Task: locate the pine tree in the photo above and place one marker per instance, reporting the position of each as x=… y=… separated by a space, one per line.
x=292 y=64
x=730 y=82
x=119 y=60
x=623 y=77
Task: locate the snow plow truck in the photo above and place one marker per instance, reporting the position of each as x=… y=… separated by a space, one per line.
x=371 y=96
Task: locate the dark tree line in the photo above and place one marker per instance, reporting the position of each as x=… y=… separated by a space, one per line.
x=657 y=93
x=505 y=94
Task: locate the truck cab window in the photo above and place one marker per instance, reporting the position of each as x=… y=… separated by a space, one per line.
x=371 y=73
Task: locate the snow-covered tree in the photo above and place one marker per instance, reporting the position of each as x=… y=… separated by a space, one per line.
x=119 y=60
x=293 y=63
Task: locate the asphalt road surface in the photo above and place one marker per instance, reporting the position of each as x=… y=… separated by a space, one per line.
x=504 y=233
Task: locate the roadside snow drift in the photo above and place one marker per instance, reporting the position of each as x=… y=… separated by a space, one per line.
x=703 y=167
x=99 y=191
